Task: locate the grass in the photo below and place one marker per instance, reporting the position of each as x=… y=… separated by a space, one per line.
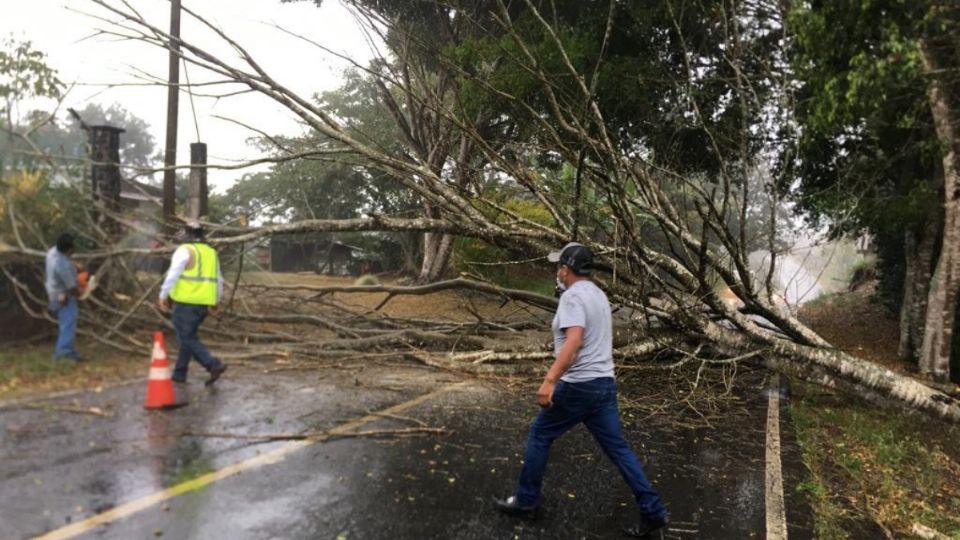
x=30 y=369
x=829 y=515
x=192 y=471
x=537 y=284
x=876 y=466
x=872 y=468
x=524 y=277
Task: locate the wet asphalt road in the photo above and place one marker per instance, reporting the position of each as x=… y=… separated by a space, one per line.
x=59 y=468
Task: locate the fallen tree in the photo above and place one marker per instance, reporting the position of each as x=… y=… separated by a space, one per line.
x=667 y=237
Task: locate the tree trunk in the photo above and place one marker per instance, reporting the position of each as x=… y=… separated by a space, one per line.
x=926 y=257
x=436 y=252
x=410 y=244
x=907 y=337
x=441 y=258
x=430 y=242
x=942 y=300
x=832 y=367
x=919 y=253
x=955 y=351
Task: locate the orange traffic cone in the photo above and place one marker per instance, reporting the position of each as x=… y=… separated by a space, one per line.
x=159 y=385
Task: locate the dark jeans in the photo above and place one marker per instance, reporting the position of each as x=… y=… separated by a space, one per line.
x=594 y=403
x=187 y=319
x=67 y=324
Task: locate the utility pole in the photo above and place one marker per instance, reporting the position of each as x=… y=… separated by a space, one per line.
x=173 y=91
x=197 y=200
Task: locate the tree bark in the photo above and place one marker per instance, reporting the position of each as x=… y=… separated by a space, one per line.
x=942 y=300
x=441 y=258
x=831 y=366
x=429 y=252
x=907 y=338
x=919 y=254
x=926 y=257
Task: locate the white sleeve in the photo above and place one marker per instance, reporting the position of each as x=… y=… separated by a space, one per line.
x=179 y=262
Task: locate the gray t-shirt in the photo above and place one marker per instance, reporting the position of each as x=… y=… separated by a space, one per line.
x=60 y=276
x=584 y=304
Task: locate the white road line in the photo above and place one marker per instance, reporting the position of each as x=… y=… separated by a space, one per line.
x=776 y=511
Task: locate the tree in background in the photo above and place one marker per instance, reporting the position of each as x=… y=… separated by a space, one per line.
x=24 y=75
x=137 y=145
x=323 y=185
x=43 y=159
x=872 y=155
x=59 y=142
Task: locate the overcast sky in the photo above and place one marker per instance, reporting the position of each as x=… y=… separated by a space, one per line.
x=62 y=29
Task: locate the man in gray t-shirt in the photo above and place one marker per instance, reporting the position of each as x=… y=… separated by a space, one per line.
x=580 y=387
x=583 y=302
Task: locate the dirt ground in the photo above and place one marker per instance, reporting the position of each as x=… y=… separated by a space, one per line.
x=857 y=324
x=443 y=305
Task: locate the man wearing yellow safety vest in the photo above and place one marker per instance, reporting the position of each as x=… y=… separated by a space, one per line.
x=195 y=284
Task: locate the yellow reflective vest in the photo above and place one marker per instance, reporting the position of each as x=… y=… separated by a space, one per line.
x=198 y=285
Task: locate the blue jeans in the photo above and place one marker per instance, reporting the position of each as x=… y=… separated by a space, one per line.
x=67 y=315
x=594 y=403
x=187 y=319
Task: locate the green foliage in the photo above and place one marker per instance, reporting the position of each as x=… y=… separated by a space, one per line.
x=326 y=184
x=319 y=187
x=43 y=208
x=868 y=152
x=513 y=270
x=24 y=74
x=643 y=87
x=868 y=157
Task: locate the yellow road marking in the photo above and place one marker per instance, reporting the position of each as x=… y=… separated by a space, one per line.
x=273 y=456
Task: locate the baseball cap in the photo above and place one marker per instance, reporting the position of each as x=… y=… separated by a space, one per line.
x=192 y=228
x=575 y=255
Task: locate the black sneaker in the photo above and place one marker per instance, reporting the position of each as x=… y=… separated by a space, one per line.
x=179 y=380
x=647 y=528
x=511 y=507
x=215 y=374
